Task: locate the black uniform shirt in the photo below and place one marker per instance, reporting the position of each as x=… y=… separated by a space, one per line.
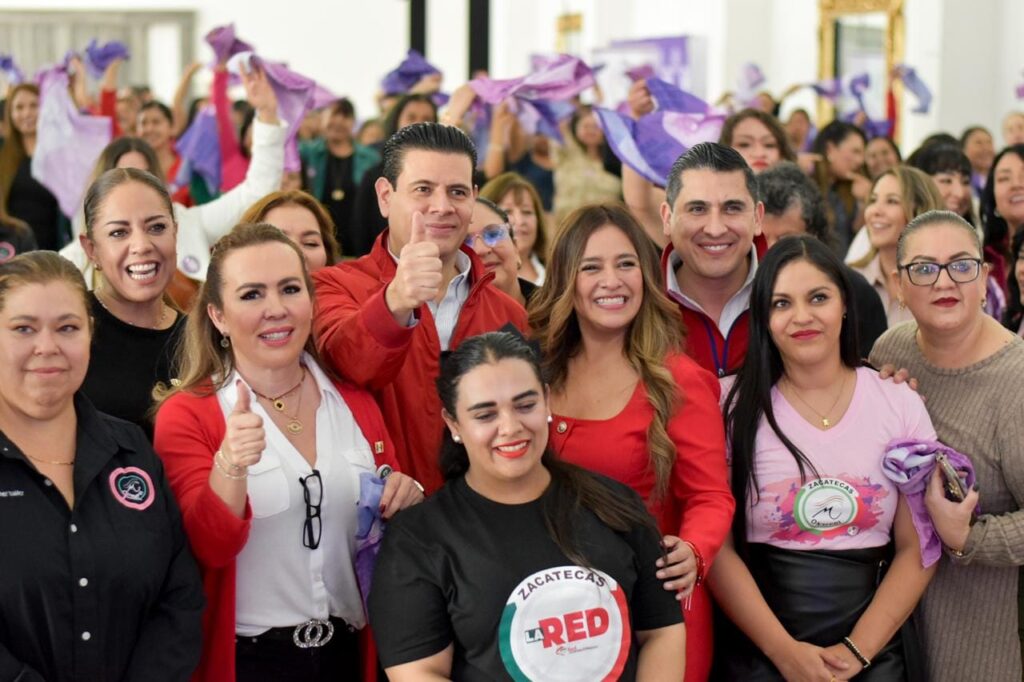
x=105 y=591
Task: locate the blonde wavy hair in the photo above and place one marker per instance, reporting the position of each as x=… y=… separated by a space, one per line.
x=918 y=194
x=656 y=332
x=203 y=364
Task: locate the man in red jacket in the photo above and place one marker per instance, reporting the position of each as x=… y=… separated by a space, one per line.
x=384 y=319
x=711 y=215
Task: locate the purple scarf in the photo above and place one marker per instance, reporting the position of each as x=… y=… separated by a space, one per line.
x=402 y=78
x=225 y=43
x=369 y=531
x=909 y=464
x=68 y=142
x=199 y=149
x=98 y=57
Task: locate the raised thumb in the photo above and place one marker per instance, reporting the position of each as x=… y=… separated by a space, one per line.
x=244 y=398
x=419 y=228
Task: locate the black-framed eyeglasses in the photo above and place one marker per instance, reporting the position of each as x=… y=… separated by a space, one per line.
x=961 y=271
x=492 y=235
x=313 y=492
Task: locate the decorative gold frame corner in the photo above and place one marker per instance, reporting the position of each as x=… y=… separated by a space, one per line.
x=831 y=10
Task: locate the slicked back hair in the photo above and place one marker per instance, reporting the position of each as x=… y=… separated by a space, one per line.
x=708 y=156
x=430 y=137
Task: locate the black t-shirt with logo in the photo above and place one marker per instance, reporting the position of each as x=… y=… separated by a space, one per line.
x=462 y=569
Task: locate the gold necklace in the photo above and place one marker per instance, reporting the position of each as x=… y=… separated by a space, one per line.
x=48 y=461
x=294 y=426
x=825 y=422
x=159 y=323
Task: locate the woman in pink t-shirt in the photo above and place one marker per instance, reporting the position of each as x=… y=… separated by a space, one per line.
x=804 y=577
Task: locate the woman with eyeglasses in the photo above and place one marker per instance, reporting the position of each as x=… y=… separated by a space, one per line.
x=267 y=453
x=490 y=235
x=968 y=368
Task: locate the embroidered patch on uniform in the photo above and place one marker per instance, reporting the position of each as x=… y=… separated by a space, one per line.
x=132 y=487
x=378 y=447
x=190 y=264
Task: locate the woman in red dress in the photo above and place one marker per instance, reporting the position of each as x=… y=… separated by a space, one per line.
x=629 y=404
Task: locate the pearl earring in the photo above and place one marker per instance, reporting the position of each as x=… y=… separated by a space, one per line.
x=550 y=419
x=456 y=438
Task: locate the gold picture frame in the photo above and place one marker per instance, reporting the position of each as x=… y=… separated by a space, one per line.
x=830 y=12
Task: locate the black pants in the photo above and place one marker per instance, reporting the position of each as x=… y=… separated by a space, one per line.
x=273 y=657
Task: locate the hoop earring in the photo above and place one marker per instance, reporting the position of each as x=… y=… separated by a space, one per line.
x=225 y=342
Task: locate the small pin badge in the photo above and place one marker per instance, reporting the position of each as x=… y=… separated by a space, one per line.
x=378 y=447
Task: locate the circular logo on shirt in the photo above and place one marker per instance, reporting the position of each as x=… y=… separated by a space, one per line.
x=7 y=251
x=824 y=504
x=565 y=623
x=190 y=264
x=132 y=487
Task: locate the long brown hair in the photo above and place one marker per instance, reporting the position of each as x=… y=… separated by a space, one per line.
x=13 y=151
x=765 y=119
x=573 y=487
x=656 y=332
x=498 y=188
x=257 y=213
x=204 y=365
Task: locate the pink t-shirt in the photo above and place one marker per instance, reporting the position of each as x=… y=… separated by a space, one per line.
x=853 y=504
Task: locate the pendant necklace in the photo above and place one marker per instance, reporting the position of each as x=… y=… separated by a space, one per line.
x=825 y=421
x=294 y=426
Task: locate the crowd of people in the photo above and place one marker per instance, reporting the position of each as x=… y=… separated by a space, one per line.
x=417 y=413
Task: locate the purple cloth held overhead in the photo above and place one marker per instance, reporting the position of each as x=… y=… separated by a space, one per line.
x=295 y=93
x=10 y=69
x=98 y=57
x=199 y=149
x=671 y=98
x=913 y=83
x=369 y=530
x=874 y=128
x=407 y=74
x=909 y=464
x=639 y=73
x=651 y=145
x=67 y=142
x=560 y=78
x=830 y=88
x=225 y=43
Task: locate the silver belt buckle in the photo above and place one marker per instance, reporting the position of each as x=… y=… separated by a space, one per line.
x=313 y=634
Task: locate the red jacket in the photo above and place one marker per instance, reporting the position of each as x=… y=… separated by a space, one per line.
x=720 y=355
x=189 y=430
x=359 y=337
x=698 y=505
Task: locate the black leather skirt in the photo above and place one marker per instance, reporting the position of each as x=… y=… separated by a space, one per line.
x=818 y=596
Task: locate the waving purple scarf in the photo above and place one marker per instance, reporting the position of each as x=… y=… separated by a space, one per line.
x=98 y=57
x=651 y=145
x=296 y=95
x=225 y=43
x=560 y=78
x=67 y=142
x=914 y=85
x=369 y=530
x=402 y=78
x=199 y=149
x=10 y=69
x=909 y=464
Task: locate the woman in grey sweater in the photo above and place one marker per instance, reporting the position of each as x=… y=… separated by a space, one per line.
x=969 y=369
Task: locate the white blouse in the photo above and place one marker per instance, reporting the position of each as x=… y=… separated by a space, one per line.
x=280 y=582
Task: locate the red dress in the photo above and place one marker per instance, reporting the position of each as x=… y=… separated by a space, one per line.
x=698 y=505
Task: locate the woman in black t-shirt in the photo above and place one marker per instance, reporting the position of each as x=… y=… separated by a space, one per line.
x=130 y=237
x=521 y=566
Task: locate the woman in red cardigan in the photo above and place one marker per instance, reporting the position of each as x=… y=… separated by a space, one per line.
x=629 y=404
x=268 y=455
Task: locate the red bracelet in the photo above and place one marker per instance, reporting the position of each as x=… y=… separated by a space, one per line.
x=700 y=562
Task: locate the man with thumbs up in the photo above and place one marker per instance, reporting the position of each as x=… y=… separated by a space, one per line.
x=384 y=319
